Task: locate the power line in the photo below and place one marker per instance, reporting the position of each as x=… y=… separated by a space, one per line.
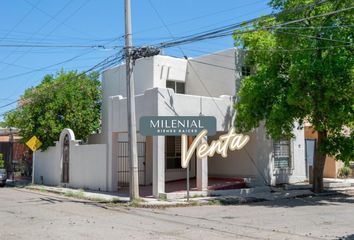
x=198 y=77
x=229 y=30
x=71 y=59
x=57 y=26
x=37 y=31
x=42 y=68
x=213 y=65
x=273 y=50
x=54 y=17
x=14 y=65
x=314 y=37
x=107 y=62
x=232 y=27
x=57 y=46
x=20 y=21
x=198 y=17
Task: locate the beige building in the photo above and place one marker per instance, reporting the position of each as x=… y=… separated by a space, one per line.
x=331 y=167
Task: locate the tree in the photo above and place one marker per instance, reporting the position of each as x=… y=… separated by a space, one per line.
x=2 y=162
x=66 y=100
x=303 y=71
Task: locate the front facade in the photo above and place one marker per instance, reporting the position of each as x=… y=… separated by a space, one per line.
x=168 y=86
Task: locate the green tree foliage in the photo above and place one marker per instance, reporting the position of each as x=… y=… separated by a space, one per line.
x=2 y=162
x=302 y=71
x=66 y=100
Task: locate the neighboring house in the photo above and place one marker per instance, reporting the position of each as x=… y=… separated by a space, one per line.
x=332 y=166
x=17 y=156
x=169 y=86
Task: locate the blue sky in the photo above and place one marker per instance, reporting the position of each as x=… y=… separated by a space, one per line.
x=99 y=22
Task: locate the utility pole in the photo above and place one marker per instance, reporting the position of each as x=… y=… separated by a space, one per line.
x=132 y=145
x=11 y=140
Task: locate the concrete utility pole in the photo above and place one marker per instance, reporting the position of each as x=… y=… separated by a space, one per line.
x=132 y=145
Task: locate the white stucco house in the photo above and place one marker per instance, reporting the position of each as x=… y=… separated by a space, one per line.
x=169 y=86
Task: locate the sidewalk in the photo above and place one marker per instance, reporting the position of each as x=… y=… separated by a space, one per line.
x=262 y=194
x=234 y=196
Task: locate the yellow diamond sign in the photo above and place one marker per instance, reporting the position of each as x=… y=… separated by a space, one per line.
x=34 y=143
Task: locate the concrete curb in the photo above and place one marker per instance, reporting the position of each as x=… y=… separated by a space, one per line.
x=252 y=197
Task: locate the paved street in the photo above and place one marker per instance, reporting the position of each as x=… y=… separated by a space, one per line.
x=36 y=215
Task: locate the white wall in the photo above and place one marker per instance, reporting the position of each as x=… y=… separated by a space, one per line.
x=148 y=73
x=47 y=165
x=256 y=160
x=239 y=163
x=213 y=74
x=87 y=165
x=164 y=102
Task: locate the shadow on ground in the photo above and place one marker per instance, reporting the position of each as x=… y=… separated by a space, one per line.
x=330 y=198
x=348 y=237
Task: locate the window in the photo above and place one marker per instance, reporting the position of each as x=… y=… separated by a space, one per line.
x=282 y=154
x=173 y=152
x=246 y=71
x=178 y=87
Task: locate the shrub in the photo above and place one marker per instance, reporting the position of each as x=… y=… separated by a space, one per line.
x=2 y=163
x=345 y=172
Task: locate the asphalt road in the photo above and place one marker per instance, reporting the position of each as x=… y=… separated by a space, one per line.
x=35 y=215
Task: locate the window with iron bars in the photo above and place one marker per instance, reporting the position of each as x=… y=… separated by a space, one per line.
x=282 y=154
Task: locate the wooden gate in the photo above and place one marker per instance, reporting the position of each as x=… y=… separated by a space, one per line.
x=66 y=159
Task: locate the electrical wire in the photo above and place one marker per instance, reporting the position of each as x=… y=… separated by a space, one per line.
x=107 y=62
x=56 y=27
x=20 y=21
x=37 y=31
x=229 y=30
x=198 y=77
x=198 y=17
x=57 y=46
x=54 y=18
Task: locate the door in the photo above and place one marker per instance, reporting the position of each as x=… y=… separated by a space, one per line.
x=66 y=159
x=310 y=154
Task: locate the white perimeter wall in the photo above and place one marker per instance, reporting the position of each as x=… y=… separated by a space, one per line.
x=47 y=164
x=87 y=166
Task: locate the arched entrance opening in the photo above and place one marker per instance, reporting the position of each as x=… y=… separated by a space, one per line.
x=66 y=159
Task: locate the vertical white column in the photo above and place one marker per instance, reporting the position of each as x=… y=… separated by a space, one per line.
x=108 y=135
x=158 y=165
x=202 y=173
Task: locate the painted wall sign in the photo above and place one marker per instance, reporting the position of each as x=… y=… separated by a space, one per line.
x=176 y=126
x=193 y=126
x=231 y=141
